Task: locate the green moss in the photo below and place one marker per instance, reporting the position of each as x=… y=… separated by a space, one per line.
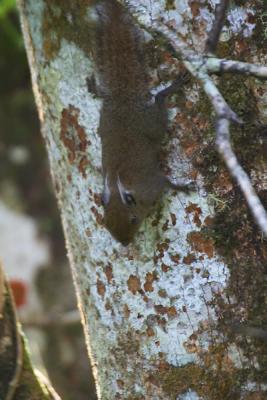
x=178 y=380
x=237 y=239
x=170 y=5
x=260 y=32
x=211 y=383
x=31 y=387
x=216 y=377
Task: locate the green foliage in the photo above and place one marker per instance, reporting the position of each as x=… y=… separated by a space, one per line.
x=9 y=31
x=6 y=6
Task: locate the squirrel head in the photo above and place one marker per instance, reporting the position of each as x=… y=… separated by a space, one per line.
x=126 y=207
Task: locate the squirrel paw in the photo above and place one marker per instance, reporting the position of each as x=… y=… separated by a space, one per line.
x=183 y=187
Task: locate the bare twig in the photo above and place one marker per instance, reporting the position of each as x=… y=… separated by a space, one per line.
x=200 y=67
x=47 y=320
x=2 y=287
x=214 y=33
x=225 y=149
x=19 y=359
x=217 y=65
x=45 y=382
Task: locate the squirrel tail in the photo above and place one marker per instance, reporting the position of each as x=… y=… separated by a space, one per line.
x=119 y=53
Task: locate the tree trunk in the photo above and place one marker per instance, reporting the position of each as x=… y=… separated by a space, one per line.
x=18 y=379
x=172 y=315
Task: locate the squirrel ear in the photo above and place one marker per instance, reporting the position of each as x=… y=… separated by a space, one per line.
x=106 y=192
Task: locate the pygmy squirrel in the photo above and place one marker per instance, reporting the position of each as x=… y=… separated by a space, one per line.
x=132 y=123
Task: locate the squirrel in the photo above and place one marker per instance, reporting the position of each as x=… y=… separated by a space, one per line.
x=132 y=123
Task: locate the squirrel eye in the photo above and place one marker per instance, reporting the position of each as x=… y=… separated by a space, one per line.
x=128 y=197
x=134 y=220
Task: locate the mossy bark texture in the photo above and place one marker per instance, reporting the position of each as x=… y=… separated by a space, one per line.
x=163 y=317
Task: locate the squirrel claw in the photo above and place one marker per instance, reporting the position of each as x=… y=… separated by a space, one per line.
x=183 y=187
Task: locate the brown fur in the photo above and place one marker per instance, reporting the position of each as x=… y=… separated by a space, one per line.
x=132 y=125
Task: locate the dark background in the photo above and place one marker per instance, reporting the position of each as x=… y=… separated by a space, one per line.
x=65 y=355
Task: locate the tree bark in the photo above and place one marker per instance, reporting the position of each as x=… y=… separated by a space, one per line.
x=170 y=315
x=18 y=380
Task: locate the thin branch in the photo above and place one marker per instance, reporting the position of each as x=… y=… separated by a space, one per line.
x=173 y=88
x=46 y=320
x=220 y=106
x=200 y=66
x=19 y=359
x=217 y=65
x=47 y=384
x=214 y=33
x=225 y=149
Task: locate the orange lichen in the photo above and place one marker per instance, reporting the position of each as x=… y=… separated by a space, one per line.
x=74 y=138
x=101 y=289
x=171 y=311
x=195 y=8
x=97 y=199
x=161 y=310
x=165 y=268
x=200 y=243
x=161 y=248
x=162 y=293
x=175 y=258
x=99 y=217
x=150 y=278
x=83 y=164
x=194 y=209
x=190 y=346
x=108 y=306
x=126 y=311
x=109 y=272
x=150 y=332
x=120 y=383
x=134 y=284
x=189 y=258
